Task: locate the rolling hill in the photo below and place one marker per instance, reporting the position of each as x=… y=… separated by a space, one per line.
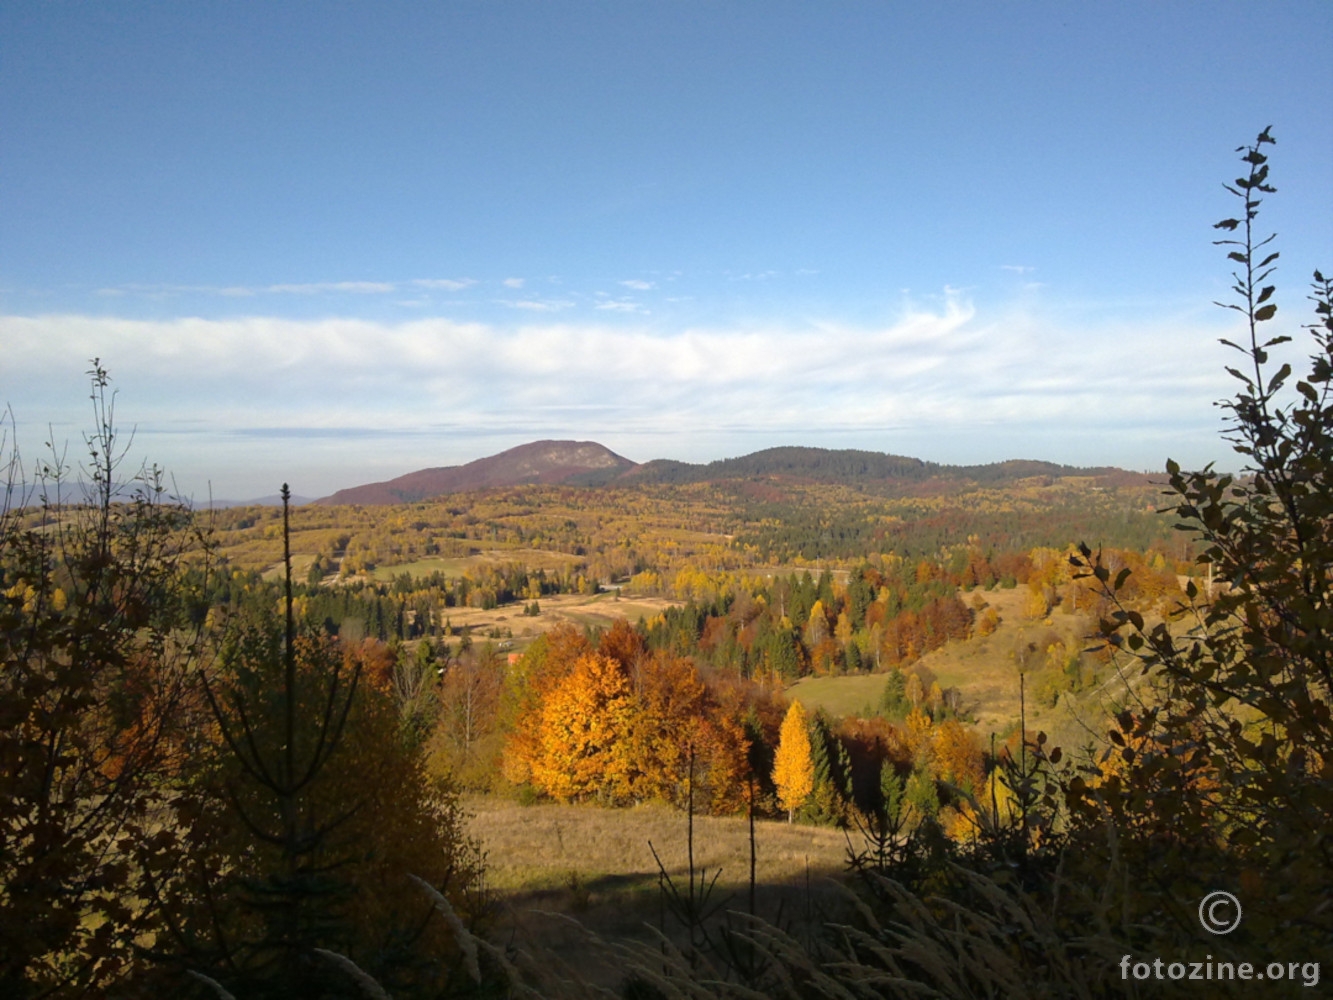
x=588 y=464
x=576 y=463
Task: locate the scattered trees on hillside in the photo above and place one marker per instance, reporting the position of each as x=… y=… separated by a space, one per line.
x=1216 y=774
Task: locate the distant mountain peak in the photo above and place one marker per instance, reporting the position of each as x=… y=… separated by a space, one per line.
x=589 y=464
x=576 y=463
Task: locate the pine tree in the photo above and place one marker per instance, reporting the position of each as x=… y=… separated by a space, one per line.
x=793 y=766
x=893 y=703
x=832 y=793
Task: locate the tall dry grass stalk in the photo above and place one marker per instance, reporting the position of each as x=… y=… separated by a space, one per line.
x=985 y=941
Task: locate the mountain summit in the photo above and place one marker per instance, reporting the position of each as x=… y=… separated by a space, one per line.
x=586 y=463
x=576 y=463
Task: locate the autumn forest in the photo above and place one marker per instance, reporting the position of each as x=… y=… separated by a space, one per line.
x=1036 y=711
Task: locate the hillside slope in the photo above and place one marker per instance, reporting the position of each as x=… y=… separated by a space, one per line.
x=583 y=463
x=588 y=464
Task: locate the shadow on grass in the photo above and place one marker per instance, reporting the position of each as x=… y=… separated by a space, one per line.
x=624 y=908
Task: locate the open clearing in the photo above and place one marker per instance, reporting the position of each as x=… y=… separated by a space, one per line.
x=581 y=610
x=856 y=694
x=533 y=559
x=548 y=862
x=538 y=847
x=985 y=669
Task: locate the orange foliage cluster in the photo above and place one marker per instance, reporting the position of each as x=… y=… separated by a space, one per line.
x=911 y=634
x=620 y=723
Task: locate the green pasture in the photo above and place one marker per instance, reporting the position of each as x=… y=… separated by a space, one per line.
x=839 y=696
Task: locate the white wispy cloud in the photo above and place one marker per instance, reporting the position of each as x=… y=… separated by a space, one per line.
x=639 y=285
x=446 y=284
x=621 y=305
x=514 y=282
x=537 y=305
x=241 y=291
x=1004 y=385
x=314 y=288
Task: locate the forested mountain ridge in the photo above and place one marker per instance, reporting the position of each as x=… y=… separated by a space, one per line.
x=856 y=467
x=578 y=463
x=586 y=463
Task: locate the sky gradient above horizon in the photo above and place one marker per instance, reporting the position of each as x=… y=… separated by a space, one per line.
x=334 y=244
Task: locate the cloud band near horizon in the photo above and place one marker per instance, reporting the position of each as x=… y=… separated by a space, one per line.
x=979 y=387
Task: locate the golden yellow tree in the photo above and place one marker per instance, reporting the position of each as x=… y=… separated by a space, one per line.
x=1038 y=603
x=584 y=722
x=959 y=759
x=816 y=627
x=916 y=691
x=793 y=765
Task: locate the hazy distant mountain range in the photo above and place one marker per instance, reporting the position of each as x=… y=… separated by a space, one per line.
x=272 y=500
x=25 y=494
x=588 y=464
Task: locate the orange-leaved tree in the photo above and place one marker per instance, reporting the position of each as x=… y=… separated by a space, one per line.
x=666 y=723
x=547 y=662
x=584 y=725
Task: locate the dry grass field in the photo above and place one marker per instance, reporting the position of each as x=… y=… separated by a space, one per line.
x=546 y=863
x=582 y=610
x=857 y=694
x=533 y=559
x=538 y=847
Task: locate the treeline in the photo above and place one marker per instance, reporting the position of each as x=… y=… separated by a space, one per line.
x=405 y=608
x=608 y=718
x=796 y=625
x=885 y=612
x=852 y=466
x=780 y=532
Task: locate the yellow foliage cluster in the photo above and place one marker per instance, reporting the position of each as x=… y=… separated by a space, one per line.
x=793 y=765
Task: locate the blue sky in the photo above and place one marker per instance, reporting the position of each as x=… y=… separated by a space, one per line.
x=333 y=243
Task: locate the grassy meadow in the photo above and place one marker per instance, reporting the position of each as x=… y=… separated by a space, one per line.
x=533 y=559
x=596 y=611
x=985 y=670
x=549 y=864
